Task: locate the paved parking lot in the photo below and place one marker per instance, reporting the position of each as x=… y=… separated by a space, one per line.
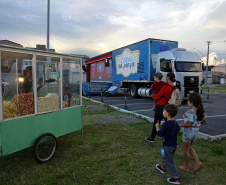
x=214 y=105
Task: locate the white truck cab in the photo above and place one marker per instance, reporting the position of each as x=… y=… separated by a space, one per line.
x=186 y=66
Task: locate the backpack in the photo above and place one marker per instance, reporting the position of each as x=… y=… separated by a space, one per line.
x=176 y=97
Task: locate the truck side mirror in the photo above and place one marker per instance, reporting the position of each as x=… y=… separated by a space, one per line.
x=84 y=68
x=165 y=65
x=202 y=66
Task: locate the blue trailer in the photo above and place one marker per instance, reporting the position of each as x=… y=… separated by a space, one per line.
x=134 y=62
x=133 y=66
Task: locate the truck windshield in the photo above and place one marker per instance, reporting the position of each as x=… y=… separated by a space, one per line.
x=188 y=67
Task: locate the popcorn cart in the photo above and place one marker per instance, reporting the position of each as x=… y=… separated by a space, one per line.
x=41 y=101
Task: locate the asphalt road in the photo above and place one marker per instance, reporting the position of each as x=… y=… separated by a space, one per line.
x=215 y=106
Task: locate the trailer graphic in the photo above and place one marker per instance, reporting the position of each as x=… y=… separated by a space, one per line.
x=127 y=63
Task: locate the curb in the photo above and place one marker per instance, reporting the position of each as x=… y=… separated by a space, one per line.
x=207 y=136
x=136 y=114
x=200 y=134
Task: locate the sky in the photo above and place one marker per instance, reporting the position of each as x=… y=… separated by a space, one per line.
x=93 y=27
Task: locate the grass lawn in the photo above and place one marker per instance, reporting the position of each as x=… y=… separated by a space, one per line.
x=221 y=88
x=111 y=154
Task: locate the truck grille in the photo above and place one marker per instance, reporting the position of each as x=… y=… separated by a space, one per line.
x=191 y=83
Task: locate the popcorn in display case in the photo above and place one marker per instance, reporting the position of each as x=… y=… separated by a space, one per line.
x=53 y=86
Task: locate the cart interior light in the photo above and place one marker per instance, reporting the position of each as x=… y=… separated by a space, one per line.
x=21 y=79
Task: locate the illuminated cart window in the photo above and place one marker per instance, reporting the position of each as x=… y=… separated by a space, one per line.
x=71 y=82
x=36 y=82
x=48 y=84
x=17 y=89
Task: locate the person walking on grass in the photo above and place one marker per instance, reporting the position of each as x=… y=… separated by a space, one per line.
x=193 y=118
x=163 y=95
x=169 y=131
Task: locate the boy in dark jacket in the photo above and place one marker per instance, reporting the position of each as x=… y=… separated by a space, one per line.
x=169 y=132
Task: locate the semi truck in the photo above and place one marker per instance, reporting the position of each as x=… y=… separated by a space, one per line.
x=132 y=67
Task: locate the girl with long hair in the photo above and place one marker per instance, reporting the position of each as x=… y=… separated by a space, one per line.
x=193 y=118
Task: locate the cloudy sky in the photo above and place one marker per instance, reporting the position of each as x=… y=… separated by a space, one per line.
x=93 y=27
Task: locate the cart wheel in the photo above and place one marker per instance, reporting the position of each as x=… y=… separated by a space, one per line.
x=45 y=148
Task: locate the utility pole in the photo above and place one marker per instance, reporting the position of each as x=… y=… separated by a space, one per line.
x=48 y=62
x=208 y=43
x=48 y=5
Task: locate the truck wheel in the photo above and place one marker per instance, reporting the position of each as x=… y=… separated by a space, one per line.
x=45 y=148
x=133 y=91
x=107 y=94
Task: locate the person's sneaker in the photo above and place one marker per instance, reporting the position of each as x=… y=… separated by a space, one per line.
x=148 y=139
x=158 y=167
x=173 y=180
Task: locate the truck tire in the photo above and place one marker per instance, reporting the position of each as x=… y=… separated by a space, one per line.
x=133 y=91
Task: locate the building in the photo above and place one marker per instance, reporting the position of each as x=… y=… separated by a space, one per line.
x=84 y=69
x=71 y=73
x=8 y=42
x=221 y=71
x=212 y=78
x=42 y=48
x=8 y=63
x=220 y=68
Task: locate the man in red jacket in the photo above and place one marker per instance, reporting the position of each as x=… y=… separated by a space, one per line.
x=163 y=95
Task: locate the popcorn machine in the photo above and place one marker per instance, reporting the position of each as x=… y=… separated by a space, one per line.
x=41 y=99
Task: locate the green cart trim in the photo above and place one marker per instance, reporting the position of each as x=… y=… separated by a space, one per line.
x=21 y=133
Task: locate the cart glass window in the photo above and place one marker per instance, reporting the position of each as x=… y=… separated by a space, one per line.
x=71 y=82
x=17 y=88
x=48 y=85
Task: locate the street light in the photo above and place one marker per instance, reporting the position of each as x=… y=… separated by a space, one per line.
x=208 y=42
x=48 y=5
